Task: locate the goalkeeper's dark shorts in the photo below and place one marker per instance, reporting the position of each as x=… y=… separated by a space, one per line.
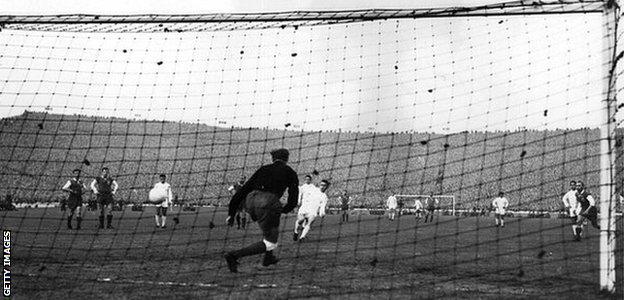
x=74 y=201
x=105 y=199
x=265 y=208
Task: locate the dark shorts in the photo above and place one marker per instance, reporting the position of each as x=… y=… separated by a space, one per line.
x=591 y=215
x=105 y=199
x=431 y=209
x=161 y=211
x=345 y=208
x=265 y=208
x=74 y=201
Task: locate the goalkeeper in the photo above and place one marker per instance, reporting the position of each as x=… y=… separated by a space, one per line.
x=260 y=196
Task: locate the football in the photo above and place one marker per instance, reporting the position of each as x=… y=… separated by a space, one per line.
x=157 y=196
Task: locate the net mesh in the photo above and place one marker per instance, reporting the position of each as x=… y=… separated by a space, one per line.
x=467 y=102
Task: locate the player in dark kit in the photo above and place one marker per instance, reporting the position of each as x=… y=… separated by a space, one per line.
x=260 y=198
x=430 y=206
x=588 y=209
x=345 y=200
x=75 y=187
x=105 y=188
x=241 y=215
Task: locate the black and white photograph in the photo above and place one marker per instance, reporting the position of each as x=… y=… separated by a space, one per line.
x=295 y=149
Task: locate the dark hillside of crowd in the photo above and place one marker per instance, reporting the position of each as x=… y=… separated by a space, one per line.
x=533 y=168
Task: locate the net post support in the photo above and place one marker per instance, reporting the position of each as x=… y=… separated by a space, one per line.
x=607 y=141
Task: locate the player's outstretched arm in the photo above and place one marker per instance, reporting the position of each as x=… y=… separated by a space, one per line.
x=293 y=194
x=93 y=188
x=323 y=206
x=66 y=187
x=115 y=187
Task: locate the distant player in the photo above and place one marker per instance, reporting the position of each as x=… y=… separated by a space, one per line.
x=312 y=206
x=345 y=201
x=75 y=188
x=400 y=205
x=587 y=209
x=391 y=204
x=163 y=188
x=418 y=207
x=261 y=196
x=500 y=205
x=571 y=205
x=241 y=215
x=104 y=187
x=430 y=207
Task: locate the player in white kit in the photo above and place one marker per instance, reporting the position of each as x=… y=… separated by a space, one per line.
x=571 y=205
x=418 y=206
x=312 y=205
x=392 y=204
x=500 y=205
x=163 y=188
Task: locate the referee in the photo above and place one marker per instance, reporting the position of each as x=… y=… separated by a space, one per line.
x=259 y=196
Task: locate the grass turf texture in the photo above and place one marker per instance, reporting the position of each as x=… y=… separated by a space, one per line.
x=369 y=256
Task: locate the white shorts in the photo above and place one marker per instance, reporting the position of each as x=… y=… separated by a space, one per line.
x=573 y=212
x=500 y=211
x=304 y=215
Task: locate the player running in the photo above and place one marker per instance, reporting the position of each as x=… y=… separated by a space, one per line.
x=306 y=189
x=587 y=209
x=311 y=207
x=391 y=203
x=105 y=187
x=570 y=203
x=75 y=188
x=261 y=196
x=430 y=206
x=164 y=188
x=500 y=205
x=241 y=215
x=418 y=207
x=345 y=201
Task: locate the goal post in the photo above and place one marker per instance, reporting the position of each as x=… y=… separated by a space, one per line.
x=608 y=194
x=445 y=202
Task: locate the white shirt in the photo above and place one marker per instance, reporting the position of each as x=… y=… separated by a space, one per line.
x=314 y=203
x=164 y=188
x=306 y=190
x=569 y=199
x=500 y=204
x=418 y=204
x=391 y=202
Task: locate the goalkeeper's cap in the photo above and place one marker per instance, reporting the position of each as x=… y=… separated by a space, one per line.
x=280 y=154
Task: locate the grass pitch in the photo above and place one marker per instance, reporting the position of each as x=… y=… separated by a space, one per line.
x=369 y=256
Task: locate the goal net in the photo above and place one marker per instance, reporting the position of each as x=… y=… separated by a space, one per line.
x=517 y=97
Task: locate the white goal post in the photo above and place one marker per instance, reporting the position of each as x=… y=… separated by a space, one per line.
x=446 y=202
